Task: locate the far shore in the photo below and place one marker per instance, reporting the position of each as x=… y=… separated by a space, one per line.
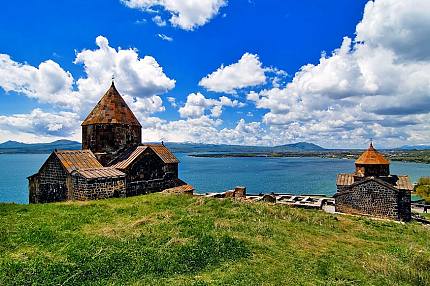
x=413 y=156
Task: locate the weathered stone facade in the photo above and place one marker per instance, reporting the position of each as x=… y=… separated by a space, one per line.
x=50 y=184
x=135 y=188
x=371 y=190
x=97 y=188
x=149 y=168
x=107 y=141
x=376 y=198
x=372 y=170
x=113 y=162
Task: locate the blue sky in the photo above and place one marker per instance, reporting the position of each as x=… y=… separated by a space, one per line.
x=282 y=91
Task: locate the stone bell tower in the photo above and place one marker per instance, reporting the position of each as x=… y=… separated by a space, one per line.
x=111 y=127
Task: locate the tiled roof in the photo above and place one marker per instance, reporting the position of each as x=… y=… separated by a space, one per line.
x=105 y=172
x=77 y=159
x=164 y=153
x=127 y=158
x=377 y=180
x=344 y=179
x=111 y=109
x=372 y=157
x=403 y=183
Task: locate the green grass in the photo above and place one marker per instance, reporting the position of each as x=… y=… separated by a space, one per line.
x=180 y=240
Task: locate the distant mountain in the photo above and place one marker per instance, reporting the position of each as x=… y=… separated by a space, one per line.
x=300 y=146
x=12 y=144
x=19 y=147
x=414 y=147
x=213 y=148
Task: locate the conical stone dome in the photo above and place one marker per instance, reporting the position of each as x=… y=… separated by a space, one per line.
x=110 y=128
x=111 y=109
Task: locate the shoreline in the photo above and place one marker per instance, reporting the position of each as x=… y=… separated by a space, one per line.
x=411 y=157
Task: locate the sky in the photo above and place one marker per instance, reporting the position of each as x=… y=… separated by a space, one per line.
x=249 y=72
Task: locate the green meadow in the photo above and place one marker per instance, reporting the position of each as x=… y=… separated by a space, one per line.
x=163 y=239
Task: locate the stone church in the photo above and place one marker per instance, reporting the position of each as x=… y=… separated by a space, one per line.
x=372 y=190
x=113 y=161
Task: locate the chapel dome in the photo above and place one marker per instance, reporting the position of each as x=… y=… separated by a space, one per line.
x=111 y=109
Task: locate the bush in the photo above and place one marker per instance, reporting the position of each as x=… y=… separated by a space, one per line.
x=423 y=188
x=424 y=181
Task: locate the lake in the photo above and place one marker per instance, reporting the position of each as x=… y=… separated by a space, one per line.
x=265 y=175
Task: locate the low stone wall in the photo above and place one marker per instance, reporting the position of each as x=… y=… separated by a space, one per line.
x=180 y=190
x=95 y=189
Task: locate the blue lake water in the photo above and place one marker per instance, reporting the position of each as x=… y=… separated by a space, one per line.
x=265 y=175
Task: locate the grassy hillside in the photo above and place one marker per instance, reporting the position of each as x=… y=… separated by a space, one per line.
x=179 y=240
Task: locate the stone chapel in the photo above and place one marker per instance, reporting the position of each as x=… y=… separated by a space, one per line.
x=113 y=161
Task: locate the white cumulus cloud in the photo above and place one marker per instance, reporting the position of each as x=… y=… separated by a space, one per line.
x=248 y=71
x=400 y=26
x=377 y=85
x=139 y=80
x=185 y=14
x=48 y=83
x=41 y=123
x=207 y=130
x=197 y=104
x=137 y=77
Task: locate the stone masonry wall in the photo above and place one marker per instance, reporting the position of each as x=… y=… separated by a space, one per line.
x=110 y=139
x=135 y=188
x=404 y=205
x=374 y=199
x=150 y=174
x=34 y=189
x=50 y=184
x=342 y=188
x=151 y=167
x=101 y=188
x=372 y=170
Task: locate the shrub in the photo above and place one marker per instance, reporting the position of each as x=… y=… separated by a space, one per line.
x=423 y=188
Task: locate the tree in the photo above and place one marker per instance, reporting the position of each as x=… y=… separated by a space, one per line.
x=423 y=188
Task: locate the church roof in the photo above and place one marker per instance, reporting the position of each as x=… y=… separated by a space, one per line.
x=111 y=109
x=77 y=159
x=344 y=179
x=400 y=182
x=104 y=172
x=164 y=153
x=372 y=157
x=127 y=158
